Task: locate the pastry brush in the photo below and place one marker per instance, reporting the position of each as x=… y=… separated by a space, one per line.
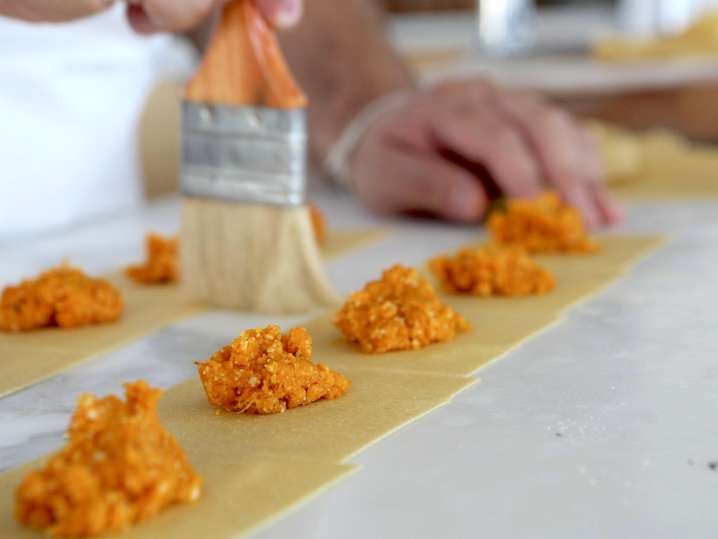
x=246 y=237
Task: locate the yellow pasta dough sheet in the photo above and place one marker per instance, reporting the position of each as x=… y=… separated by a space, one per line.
x=340 y=242
x=656 y=164
x=686 y=173
x=28 y=358
x=376 y=405
x=460 y=357
x=499 y=324
x=256 y=467
x=240 y=494
x=697 y=40
x=617 y=256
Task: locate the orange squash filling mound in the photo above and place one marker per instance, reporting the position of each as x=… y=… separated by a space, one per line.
x=161 y=265
x=542 y=225
x=400 y=311
x=492 y=270
x=62 y=296
x=266 y=372
x=319 y=223
x=119 y=467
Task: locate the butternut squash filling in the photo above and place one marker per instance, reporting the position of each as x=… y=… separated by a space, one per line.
x=542 y=225
x=63 y=296
x=319 y=223
x=161 y=264
x=492 y=270
x=119 y=467
x=265 y=372
x=400 y=311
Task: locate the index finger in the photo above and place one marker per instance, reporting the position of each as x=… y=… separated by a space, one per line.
x=567 y=161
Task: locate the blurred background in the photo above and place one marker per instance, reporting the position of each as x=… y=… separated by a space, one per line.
x=632 y=66
x=545 y=46
x=413 y=6
x=436 y=33
x=551 y=47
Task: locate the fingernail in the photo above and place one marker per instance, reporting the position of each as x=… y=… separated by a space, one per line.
x=612 y=212
x=462 y=202
x=616 y=212
x=287 y=17
x=590 y=218
x=581 y=202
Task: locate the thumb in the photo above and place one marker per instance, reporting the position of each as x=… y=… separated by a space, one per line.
x=405 y=181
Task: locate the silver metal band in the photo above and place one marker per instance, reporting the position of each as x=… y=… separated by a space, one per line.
x=255 y=155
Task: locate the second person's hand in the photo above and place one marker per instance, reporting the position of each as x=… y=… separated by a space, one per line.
x=449 y=149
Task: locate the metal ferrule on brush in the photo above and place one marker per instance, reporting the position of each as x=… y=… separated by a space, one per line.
x=253 y=155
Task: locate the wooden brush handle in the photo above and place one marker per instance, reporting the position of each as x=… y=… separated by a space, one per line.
x=244 y=64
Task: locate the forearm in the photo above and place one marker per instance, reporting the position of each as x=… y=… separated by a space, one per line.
x=52 y=11
x=342 y=59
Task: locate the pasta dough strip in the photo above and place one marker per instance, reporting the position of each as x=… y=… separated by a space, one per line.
x=255 y=468
x=29 y=358
x=239 y=496
x=499 y=324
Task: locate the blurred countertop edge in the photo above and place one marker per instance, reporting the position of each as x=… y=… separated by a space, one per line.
x=571 y=27
x=444 y=46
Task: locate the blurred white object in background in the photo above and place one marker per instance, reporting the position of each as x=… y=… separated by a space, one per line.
x=70 y=99
x=648 y=18
x=505 y=26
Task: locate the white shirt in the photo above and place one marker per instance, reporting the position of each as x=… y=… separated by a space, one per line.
x=70 y=100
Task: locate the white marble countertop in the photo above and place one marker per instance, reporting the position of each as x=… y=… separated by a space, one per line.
x=603 y=426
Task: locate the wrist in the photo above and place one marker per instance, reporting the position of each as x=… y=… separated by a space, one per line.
x=330 y=118
x=337 y=162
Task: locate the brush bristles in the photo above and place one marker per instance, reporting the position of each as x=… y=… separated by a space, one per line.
x=252 y=258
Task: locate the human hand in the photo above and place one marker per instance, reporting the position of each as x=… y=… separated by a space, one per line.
x=148 y=16
x=52 y=10
x=449 y=149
